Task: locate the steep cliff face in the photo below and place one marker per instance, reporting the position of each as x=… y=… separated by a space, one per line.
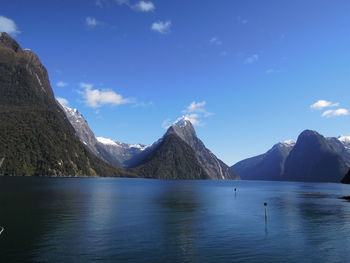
x=35 y=136
x=313 y=159
x=172 y=159
x=214 y=167
x=114 y=152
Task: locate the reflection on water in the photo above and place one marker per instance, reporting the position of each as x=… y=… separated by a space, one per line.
x=136 y=220
x=178 y=205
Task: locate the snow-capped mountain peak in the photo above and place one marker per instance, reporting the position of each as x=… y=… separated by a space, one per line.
x=182 y=121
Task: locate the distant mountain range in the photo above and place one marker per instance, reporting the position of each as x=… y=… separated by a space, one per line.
x=40 y=137
x=162 y=159
x=312 y=158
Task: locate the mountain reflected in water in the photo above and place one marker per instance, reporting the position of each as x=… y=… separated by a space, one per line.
x=138 y=220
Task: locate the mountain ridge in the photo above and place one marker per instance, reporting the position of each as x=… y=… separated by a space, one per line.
x=35 y=137
x=301 y=161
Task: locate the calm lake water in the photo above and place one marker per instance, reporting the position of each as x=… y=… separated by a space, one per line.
x=137 y=220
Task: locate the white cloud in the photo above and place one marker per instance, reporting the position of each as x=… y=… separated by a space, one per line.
x=9 y=26
x=91 y=22
x=62 y=84
x=335 y=113
x=193 y=118
x=194 y=112
x=63 y=101
x=321 y=104
x=96 y=98
x=252 y=59
x=215 y=41
x=144 y=6
x=161 y=27
x=195 y=107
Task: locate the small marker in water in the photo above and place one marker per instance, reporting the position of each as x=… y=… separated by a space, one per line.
x=265 y=204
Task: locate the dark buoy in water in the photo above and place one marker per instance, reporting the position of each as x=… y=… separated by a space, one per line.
x=235 y=189
x=265 y=204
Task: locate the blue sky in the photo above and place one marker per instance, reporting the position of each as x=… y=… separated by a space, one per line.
x=246 y=71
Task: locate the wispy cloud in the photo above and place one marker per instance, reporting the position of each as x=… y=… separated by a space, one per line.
x=162 y=27
x=91 y=22
x=271 y=71
x=194 y=112
x=101 y=3
x=193 y=118
x=96 y=98
x=62 y=101
x=197 y=107
x=9 y=26
x=241 y=20
x=166 y=123
x=144 y=6
x=252 y=59
x=321 y=104
x=62 y=84
x=215 y=41
x=335 y=113
x=123 y=2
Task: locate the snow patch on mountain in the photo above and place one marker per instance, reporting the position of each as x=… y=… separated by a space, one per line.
x=182 y=121
x=288 y=143
x=106 y=141
x=345 y=140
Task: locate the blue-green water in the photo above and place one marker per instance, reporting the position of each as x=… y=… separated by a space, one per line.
x=136 y=220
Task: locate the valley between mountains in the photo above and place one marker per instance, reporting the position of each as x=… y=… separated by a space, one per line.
x=41 y=137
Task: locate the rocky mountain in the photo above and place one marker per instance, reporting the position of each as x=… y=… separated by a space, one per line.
x=111 y=151
x=267 y=166
x=172 y=159
x=214 y=167
x=157 y=160
x=35 y=137
x=340 y=147
x=345 y=140
x=313 y=159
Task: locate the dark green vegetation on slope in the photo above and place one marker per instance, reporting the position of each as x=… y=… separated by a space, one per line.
x=172 y=159
x=35 y=136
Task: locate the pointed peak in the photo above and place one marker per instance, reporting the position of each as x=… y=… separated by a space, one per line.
x=182 y=121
